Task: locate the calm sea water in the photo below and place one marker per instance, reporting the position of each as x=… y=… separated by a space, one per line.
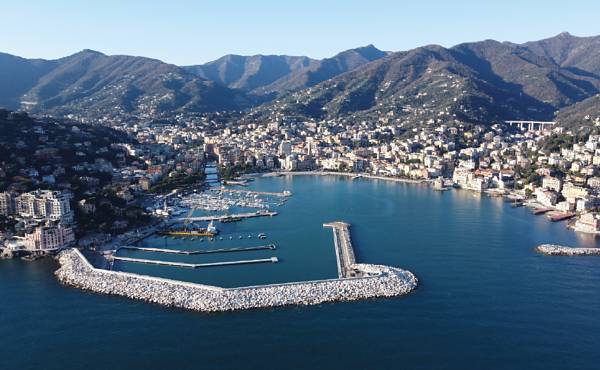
x=486 y=300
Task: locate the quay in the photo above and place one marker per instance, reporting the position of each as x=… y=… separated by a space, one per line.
x=224 y=217
x=192 y=265
x=283 y=194
x=344 y=252
x=200 y=251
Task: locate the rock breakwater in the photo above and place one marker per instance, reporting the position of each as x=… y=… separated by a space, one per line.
x=376 y=281
x=558 y=250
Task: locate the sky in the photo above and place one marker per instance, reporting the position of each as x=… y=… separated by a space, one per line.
x=194 y=32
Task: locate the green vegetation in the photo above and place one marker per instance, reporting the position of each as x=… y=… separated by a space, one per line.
x=179 y=180
x=230 y=172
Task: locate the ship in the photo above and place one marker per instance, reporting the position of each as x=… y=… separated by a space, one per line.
x=209 y=231
x=231 y=219
x=187 y=233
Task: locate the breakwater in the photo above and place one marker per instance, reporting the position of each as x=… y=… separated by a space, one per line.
x=367 y=281
x=559 y=250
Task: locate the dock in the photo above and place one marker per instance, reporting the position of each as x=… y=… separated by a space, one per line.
x=283 y=194
x=193 y=265
x=344 y=252
x=201 y=251
x=223 y=217
x=559 y=216
x=539 y=211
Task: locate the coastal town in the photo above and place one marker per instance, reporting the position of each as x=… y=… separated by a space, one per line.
x=52 y=202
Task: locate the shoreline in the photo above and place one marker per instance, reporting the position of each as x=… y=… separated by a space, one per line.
x=332 y=173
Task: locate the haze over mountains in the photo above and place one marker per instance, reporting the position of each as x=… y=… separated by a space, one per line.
x=474 y=82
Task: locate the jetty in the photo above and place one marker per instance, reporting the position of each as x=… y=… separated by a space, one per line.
x=200 y=251
x=344 y=252
x=224 y=217
x=192 y=265
x=559 y=250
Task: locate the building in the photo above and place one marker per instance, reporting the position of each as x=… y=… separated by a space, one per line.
x=589 y=223
x=552 y=183
x=7 y=204
x=44 y=205
x=49 y=237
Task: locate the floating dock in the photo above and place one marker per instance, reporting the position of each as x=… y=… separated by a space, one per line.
x=194 y=265
x=201 y=251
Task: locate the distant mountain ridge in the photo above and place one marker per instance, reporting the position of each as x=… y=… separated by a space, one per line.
x=276 y=74
x=474 y=82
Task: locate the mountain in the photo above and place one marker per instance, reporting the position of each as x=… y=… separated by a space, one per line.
x=250 y=72
x=18 y=75
x=276 y=74
x=579 y=54
x=585 y=112
x=475 y=82
x=90 y=82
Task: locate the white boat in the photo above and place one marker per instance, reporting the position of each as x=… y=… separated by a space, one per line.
x=211 y=228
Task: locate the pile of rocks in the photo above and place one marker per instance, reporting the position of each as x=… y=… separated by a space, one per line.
x=558 y=250
x=378 y=281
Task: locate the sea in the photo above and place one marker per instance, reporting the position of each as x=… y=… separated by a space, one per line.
x=485 y=300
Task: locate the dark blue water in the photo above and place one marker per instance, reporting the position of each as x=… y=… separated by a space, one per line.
x=486 y=300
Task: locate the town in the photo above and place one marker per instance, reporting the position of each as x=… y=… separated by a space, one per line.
x=105 y=189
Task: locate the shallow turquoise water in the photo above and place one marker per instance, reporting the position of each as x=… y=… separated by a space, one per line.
x=486 y=300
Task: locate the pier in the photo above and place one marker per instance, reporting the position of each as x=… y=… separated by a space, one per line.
x=344 y=252
x=223 y=217
x=283 y=194
x=200 y=251
x=193 y=265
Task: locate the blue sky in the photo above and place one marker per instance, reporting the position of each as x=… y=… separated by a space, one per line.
x=191 y=32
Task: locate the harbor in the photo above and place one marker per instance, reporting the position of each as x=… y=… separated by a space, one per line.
x=367 y=281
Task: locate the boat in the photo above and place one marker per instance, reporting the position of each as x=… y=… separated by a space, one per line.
x=211 y=228
x=262 y=236
x=231 y=219
x=187 y=233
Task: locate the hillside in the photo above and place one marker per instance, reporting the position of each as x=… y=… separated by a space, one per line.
x=475 y=82
x=250 y=72
x=93 y=83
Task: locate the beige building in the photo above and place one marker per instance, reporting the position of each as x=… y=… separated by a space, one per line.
x=49 y=237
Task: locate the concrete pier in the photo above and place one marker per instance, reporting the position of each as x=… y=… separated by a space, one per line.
x=193 y=265
x=200 y=251
x=344 y=251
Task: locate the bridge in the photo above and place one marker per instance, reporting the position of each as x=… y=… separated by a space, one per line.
x=532 y=125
